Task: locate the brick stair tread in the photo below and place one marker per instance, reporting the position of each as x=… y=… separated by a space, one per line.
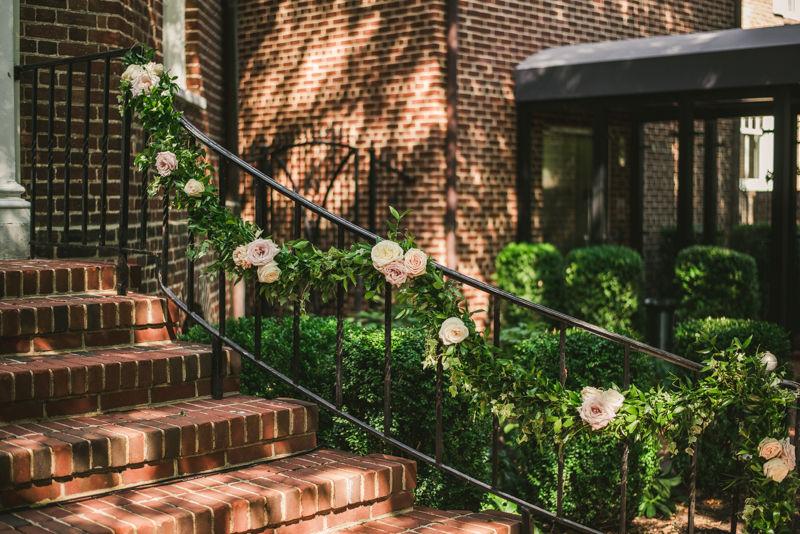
x=314 y=492
x=53 y=460
x=46 y=314
x=26 y=277
x=68 y=383
x=424 y=520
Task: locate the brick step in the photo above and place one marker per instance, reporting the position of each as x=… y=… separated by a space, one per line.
x=78 y=321
x=22 y=278
x=428 y=521
x=85 y=382
x=57 y=460
x=315 y=492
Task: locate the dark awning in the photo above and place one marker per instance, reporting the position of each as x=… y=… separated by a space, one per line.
x=726 y=59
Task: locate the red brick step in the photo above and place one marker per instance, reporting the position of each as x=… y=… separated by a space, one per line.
x=428 y=521
x=79 y=321
x=56 y=460
x=21 y=278
x=83 y=382
x=311 y=493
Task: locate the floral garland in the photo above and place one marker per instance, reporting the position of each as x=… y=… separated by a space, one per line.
x=288 y=273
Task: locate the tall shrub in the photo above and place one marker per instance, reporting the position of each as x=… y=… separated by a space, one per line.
x=604 y=286
x=716 y=282
x=413 y=396
x=534 y=272
x=592 y=462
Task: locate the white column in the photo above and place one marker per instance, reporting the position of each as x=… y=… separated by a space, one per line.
x=14 y=211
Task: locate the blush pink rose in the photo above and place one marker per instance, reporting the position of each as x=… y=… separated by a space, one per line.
x=787 y=453
x=261 y=252
x=776 y=469
x=240 y=257
x=166 y=162
x=596 y=411
x=416 y=262
x=769 y=448
x=396 y=273
x=143 y=84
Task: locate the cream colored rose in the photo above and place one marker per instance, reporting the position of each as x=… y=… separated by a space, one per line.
x=384 y=253
x=261 y=251
x=132 y=72
x=166 y=162
x=143 y=84
x=590 y=392
x=240 y=257
x=416 y=262
x=770 y=361
x=776 y=469
x=193 y=188
x=596 y=412
x=154 y=69
x=453 y=331
x=613 y=398
x=788 y=453
x=769 y=448
x=396 y=273
x=269 y=273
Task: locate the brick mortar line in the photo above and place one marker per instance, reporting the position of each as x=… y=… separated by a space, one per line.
x=368 y=520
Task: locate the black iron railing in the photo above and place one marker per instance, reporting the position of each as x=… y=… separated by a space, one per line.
x=263 y=182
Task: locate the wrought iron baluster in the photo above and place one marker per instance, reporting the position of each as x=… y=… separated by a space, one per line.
x=737 y=491
x=125 y=176
x=339 y=326
x=67 y=153
x=189 y=261
x=51 y=138
x=145 y=196
x=439 y=410
x=104 y=168
x=527 y=524
x=165 y=237
x=34 y=143
x=495 y=419
x=387 y=361
x=693 y=477
x=257 y=298
x=562 y=375
x=626 y=383
x=87 y=96
x=296 y=323
x=217 y=359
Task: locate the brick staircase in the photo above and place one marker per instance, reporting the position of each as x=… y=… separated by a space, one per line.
x=107 y=425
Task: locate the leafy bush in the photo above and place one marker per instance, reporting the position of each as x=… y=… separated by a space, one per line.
x=718 y=441
x=413 y=396
x=668 y=253
x=534 y=272
x=592 y=462
x=716 y=282
x=604 y=286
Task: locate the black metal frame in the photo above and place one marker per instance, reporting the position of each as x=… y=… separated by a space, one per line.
x=229 y=161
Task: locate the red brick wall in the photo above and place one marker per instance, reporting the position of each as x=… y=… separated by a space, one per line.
x=52 y=29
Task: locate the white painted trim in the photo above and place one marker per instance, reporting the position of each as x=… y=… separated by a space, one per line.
x=174 y=39
x=192 y=98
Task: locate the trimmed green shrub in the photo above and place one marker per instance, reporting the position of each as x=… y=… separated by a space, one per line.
x=466 y=439
x=592 y=462
x=715 y=282
x=668 y=253
x=534 y=272
x=605 y=287
x=719 y=439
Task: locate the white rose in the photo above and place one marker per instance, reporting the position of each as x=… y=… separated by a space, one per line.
x=261 y=251
x=596 y=411
x=770 y=361
x=614 y=399
x=193 y=188
x=769 y=448
x=269 y=273
x=776 y=469
x=154 y=69
x=143 y=84
x=453 y=331
x=416 y=262
x=788 y=453
x=590 y=392
x=385 y=253
x=132 y=72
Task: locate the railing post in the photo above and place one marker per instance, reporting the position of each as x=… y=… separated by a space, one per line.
x=495 y=419
x=626 y=382
x=296 y=321
x=562 y=374
x=87 y=98
x=439 y=410
x=736 y=493
x=125 y=177
x=372 y=194
x=217 y=360
x=51 y=138
x=67 y=154
x=693 y=478
x=387 y=361
x=339 y=327
x=104 y=146
x=34 y=148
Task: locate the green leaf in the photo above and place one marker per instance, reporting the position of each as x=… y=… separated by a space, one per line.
x=394 y=213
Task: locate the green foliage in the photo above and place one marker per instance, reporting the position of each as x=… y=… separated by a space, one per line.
x=716 y=282
x=592 y=461
x=466 y=438
x=604 y=286
x=534 y=272
x=719 y=439
x=658 y=496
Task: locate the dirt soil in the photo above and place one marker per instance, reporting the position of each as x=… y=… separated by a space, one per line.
x=713 y=516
